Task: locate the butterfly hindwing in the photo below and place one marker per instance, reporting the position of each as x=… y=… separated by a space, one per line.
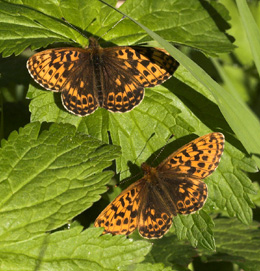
x=121 y=215
x=188 y=194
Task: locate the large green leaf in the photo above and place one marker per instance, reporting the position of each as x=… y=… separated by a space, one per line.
x=74 y=249
x=38 y=23
x=48 y=177
x=236 y=243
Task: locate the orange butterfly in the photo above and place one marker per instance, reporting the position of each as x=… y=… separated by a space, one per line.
x=113 y=78
x=174 y=187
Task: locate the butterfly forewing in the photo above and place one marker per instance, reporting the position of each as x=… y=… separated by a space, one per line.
x=197 y=159
x=148 y=66
x=51 y=68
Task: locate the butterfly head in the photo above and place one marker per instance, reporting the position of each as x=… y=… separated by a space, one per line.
x=145 y=168
x=150 y=173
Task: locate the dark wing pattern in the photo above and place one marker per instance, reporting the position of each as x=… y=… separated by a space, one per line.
x=113 y=78
x=126 y=71
x=155 y=216
x=69 y=71
x=197 y=159
x=189 y=195
x=121 y=215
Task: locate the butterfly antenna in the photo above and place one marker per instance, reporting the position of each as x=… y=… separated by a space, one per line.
x=73 y=27
x=113 y=26
x=162 y=149
x=139 y=153
x=144 y=147
x=127 y=179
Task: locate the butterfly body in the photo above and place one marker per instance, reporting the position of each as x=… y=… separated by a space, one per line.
x=113 y=78
x=174 y=187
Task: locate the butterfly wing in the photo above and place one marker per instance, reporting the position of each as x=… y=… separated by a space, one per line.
x=181 y=173
x=126 y=71
x=197 y=159
x=121 y=215
x=188 y=194
x=69 y=71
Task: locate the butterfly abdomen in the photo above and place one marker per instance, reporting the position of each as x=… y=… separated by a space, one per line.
x=97 y=62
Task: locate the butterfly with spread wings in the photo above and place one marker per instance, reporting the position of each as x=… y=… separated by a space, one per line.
x=174 y=187
x=113 y=78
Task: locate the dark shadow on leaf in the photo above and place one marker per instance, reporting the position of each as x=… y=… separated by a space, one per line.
x=45 y=126
x=172 y=252
x=204 y=109
x=220 y=22
x=58 y=102
x=154 y=160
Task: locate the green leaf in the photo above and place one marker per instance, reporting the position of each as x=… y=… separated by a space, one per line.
x=171 y=252
x=20 y=25
x=142 y=131
x=197 y=228
x=237 y=243
x=47 y=107
x=256 y=198
x=38 y=24
x=73 y=250
x=49 y=177
x=252 y=31
x=149 y=267
x=173 y=24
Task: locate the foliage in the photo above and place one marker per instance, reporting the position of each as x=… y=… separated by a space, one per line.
x=58 y=164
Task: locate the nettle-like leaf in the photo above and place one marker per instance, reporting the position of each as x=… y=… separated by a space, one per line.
x=172 y=252
x=74 y=249
x=236 y=243
x=198 y=228
x=49 y=177
x=37 y=24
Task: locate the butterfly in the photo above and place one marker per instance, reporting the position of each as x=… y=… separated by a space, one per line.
x=173 y=187
x=113 y=78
